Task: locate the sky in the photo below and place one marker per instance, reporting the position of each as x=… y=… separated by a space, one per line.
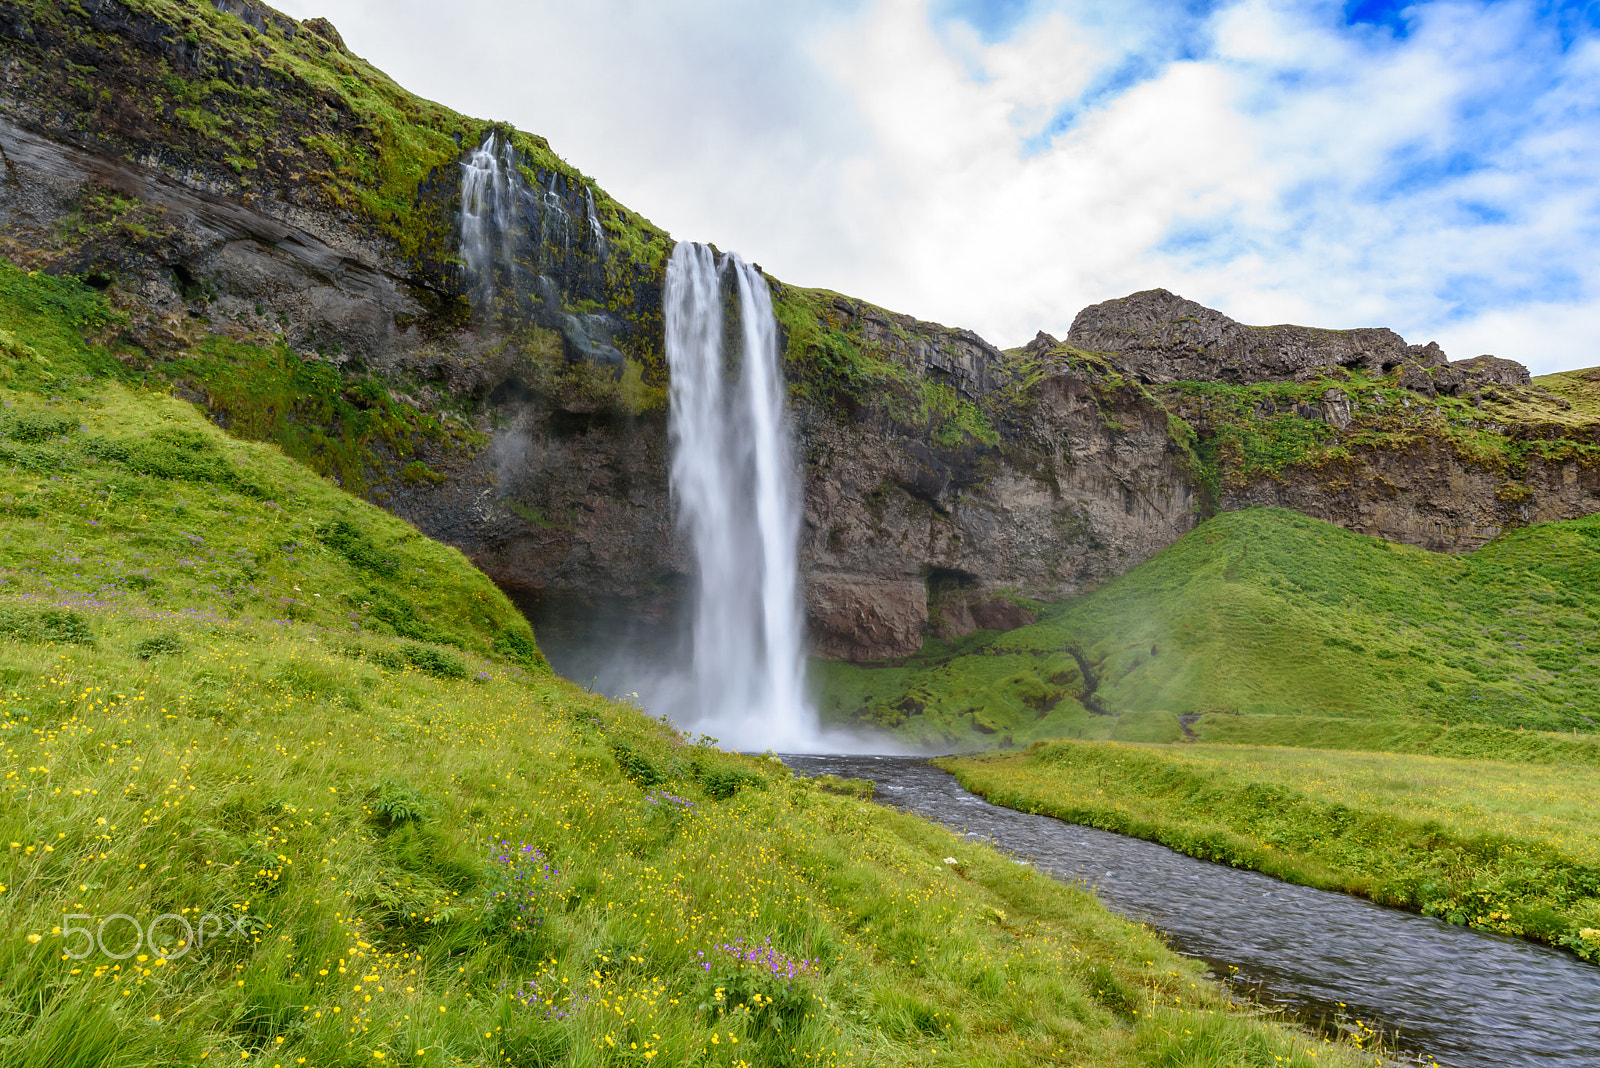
x=999 y=164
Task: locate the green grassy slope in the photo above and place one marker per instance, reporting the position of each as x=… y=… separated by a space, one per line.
x=1500 y=846
x=315 y=763
x=125 y=498
x=1267 y=613
x=344 y=824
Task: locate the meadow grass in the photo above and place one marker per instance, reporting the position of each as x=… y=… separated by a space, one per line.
x=1421 y=737
x=1508 y=847
x=359 y=848
x=287 y=783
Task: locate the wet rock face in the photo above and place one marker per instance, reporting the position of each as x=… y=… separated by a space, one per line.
x=855 y=617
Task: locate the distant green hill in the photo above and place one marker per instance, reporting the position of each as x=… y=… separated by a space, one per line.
x=1268 y=613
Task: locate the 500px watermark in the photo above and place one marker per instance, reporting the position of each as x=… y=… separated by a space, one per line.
x=193 y=935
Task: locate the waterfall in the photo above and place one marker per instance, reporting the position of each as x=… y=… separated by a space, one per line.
x=732 y=471
x=737 y=501
x=490 y=185
x=595 y=227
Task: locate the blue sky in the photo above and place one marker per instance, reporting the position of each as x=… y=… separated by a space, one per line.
x=999 y=164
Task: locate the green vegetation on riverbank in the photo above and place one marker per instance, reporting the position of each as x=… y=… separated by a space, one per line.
x=1508 y=847
x=1267 y=612
x=315 y=763
x=1418 y=737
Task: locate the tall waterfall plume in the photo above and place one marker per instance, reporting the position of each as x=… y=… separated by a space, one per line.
x=735 y=490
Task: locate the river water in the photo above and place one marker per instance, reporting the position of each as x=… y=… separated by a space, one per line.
x=1463 y=997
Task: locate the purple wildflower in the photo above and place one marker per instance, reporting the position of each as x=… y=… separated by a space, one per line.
x=523 y=881
x=764 y=954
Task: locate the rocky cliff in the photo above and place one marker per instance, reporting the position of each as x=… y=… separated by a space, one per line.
x=279 y=225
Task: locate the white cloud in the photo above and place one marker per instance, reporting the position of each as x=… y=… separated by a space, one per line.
x=1267 y=160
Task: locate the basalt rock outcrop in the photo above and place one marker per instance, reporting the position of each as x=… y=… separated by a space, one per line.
x=280 y=224
x=1161 y=338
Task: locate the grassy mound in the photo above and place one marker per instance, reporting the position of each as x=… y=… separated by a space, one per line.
x=287 y=783
x=1503 y=847
x=120 y=497
x=1268 y=613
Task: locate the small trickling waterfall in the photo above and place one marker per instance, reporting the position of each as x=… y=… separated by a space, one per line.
x=595 y=227
x=490 y=185
x=515 y=235
x=734 y=487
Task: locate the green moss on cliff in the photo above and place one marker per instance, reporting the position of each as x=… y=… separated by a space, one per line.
x=953 y=420
x=1281 y=430
x=344 y=426
x=831 y=361
x=1258 y=431
x=44 y=323
x=825 y=356
x=347 y=427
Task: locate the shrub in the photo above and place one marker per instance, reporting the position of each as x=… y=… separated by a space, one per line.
x=834 y=784
x=59 y=625
x=159 y=645
x=669 y=809
x=430 y=660
x=521 y=648
x=181 y=454
x=755 y=979
x=351 y=542
x=522 y=888
x=636 y=767
x=392 y=803
x=32 y=428
x=722 y=783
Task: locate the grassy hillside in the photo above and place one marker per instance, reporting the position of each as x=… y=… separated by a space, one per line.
x=286 y=783
x=510 y=871
x=1264 y=614
x=1504 y=847
x=124 y=498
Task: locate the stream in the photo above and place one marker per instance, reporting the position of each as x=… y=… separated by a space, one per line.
x=1463 y=997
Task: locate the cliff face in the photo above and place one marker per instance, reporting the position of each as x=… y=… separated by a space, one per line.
x=279 y=224
x=914 y=526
